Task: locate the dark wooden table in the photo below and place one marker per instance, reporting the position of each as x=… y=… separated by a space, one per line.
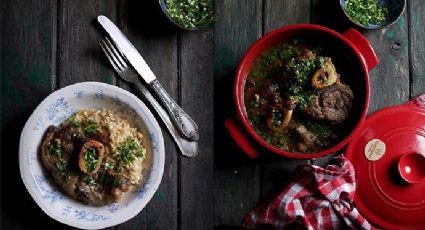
x=46 y=45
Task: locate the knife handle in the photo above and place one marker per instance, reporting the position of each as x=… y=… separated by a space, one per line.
x=187 y=148
x=186 y=126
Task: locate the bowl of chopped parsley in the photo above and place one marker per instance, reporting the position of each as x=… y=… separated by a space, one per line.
x=189 y=14
x=373 y=14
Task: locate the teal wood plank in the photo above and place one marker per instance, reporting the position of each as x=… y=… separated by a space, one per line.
x=27 y=60
x=278 y=13
x=390 y=79
x=80 y=57
x=238 y=23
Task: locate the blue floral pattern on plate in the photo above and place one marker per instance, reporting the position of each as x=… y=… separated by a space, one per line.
x=49 y=193
x=79 y=94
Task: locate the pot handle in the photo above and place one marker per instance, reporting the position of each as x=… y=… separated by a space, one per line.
x=363 y=45
x=240 y=138
x=418 y=101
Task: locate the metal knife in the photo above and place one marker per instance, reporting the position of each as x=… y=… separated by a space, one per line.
x=186 y=126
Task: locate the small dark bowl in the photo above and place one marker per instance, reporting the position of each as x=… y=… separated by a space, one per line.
x=164 y=8
x=395 y=10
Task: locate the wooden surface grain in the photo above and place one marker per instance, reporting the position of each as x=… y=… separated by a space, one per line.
x=416 y=46
x=46 y=45
x=28 y=58
x=236 y=179
x=390 y=79
x=78 y=50
x=196 y=174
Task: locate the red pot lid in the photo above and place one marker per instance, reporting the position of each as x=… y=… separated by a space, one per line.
x=382 y=196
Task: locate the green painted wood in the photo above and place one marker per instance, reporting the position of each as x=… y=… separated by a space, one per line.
x=238 y=23
x=277 y=171
x=197 y=174
x=78 y=41
x=416 y=10
x=158 y=44
x=390 y=79
x=27 y=60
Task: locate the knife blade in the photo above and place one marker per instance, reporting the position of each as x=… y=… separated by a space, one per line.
x=186 y=126
x=128 y=50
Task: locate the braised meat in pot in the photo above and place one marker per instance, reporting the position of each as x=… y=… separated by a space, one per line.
x=295 y=97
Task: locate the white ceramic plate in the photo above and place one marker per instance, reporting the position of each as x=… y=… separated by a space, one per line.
x=56 y=108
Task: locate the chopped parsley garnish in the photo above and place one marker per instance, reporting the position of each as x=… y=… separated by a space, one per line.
x=366 y=12
x=90 y=180
x=128 y=150
x=276 y=117
x=62 y=167
x=303 y=69
x=55 y=148
x=304 y=99
x=301 y=72
x=91 y=159
x=191 y=13
x=74 y=122
x=91 y=128
x=115 y=181
x=109 y=165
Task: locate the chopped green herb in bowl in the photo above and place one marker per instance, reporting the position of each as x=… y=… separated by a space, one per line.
x=373 y=14
x=189 y=14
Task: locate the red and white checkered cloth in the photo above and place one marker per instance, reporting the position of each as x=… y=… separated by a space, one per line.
x=317 y=198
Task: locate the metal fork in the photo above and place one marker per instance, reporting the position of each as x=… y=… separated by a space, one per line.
x=115 y=58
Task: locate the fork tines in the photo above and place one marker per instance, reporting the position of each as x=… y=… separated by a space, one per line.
x=113 y=55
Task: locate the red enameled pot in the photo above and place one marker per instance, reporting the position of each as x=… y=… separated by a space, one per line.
x=356 y=58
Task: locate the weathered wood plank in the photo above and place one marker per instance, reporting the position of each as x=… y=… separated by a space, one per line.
x=277 y=171
x=390 y=79
x=27 y=57
x=238 y=23
x=278 y=13
x=197 y=174
x=416 y=10
x=329 y=14
x=78 y=51
x=156 y=40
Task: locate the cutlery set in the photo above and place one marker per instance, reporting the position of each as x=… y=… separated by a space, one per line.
x=119 y=51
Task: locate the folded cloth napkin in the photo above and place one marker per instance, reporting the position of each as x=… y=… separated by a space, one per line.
x=317 y=198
